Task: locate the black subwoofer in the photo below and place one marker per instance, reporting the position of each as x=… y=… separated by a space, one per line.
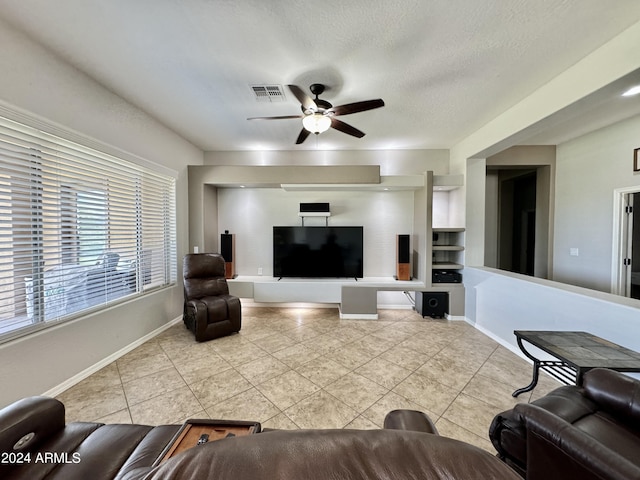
x=432 y=304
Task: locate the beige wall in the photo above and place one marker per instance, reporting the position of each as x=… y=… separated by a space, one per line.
x=589 y=170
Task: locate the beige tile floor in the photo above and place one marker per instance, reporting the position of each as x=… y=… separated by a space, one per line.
x=306 y=368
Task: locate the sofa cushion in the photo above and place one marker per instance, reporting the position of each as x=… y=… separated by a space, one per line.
x=615 y=393
x=148 y=450
x=103 y=453
x=614 y=434
x=216 y=308
x=568 y=403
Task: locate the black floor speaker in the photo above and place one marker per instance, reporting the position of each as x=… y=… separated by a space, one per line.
x=432 y=304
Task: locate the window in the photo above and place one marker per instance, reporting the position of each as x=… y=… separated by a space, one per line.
x=79 y=229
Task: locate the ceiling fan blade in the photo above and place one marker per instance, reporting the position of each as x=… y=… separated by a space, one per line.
x=304 y=133
x=303 y=98
x=357 y=107
x=346 y=128
x=282 y=117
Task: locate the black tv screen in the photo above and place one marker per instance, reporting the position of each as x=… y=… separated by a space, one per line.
x=317 y=252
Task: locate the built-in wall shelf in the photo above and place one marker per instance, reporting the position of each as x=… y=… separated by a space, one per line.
x=446 y=266
x=447 y=247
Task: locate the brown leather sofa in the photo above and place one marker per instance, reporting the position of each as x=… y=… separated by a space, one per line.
x=209 y=311
x=587 y=432
x=34 y=428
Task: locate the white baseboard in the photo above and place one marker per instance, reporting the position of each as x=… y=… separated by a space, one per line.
x=58 y=389
x=502 y=342
x=250 y=302
x=358 y=316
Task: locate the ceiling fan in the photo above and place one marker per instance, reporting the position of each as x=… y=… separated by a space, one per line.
x=319 y=115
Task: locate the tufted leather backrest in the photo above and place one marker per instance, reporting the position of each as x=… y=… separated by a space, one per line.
x=204 y=275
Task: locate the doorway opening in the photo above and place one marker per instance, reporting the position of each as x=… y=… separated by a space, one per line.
x=518 y=233
x=514 y=234
x=626 y=261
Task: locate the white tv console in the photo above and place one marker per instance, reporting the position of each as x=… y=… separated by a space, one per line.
x=357 y=299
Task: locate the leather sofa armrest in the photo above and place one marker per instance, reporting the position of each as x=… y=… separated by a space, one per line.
x=196 y=307
x=411 y=420
x=194 y=312
x=557 y=449
x=615 y=393
x=509 y=438
x=31 y=420
x=191 y=306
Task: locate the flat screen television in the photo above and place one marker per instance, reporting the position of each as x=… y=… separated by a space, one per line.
x=318 y=252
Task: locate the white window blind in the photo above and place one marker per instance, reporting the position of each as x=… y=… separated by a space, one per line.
x=79 y=229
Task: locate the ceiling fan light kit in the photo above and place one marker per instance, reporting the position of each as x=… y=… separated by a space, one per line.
x=319 y=115
x=316 y=123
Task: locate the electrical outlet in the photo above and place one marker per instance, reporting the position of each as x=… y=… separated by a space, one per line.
x=573 y=252
x=259 y=270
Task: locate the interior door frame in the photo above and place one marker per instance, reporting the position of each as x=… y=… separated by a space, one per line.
x=620 y=240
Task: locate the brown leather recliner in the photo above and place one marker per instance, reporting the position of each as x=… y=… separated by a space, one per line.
x=209 y=311
x=588 y=432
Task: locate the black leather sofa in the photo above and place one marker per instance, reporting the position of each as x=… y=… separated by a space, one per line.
x=34 y=429
x=588 y=432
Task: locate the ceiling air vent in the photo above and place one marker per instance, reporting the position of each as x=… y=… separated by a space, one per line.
x=268 y=93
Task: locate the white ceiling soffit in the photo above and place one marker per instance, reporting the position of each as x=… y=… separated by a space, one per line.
x=387 y=183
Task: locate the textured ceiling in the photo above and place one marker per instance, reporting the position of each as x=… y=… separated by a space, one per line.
x=443 y=67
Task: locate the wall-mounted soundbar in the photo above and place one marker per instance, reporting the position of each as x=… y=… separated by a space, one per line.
x=314 y=208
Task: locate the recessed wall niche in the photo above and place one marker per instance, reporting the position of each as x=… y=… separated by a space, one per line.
x=251 y=213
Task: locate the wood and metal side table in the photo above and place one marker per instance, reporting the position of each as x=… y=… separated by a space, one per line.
x=576 y=353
